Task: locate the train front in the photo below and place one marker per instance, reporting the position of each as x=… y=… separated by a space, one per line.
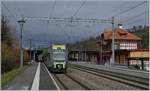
x=59 y=58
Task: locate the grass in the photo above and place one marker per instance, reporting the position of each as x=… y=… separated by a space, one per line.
x=6 y=77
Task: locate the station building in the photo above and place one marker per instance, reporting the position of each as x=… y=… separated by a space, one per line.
x=127 y=49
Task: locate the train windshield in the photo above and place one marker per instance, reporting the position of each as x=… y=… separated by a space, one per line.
x=59 y=55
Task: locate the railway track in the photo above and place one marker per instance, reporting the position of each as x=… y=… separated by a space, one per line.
x=64 y=84
x=58 y=79
x=137 y=82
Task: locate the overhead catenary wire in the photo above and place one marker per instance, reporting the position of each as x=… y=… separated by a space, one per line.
x=135 y=21
x=59 y=19
x=51 y=15
x=17 y=8
x=53 y=8
x=54 y=5
x=79 y=8
x=48 y=29
x=133 y=17
x=9 y=11
x=11 y=15
x=127 y=10
x=63 y=30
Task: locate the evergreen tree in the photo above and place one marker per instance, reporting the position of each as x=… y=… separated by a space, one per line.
x=5 y=32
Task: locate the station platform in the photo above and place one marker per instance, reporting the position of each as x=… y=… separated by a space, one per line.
x=23 y=80
x=114 y=68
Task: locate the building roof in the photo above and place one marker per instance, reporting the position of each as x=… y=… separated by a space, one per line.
x=118 y=35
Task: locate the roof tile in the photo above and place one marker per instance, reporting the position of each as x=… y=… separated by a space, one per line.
x=118 y=33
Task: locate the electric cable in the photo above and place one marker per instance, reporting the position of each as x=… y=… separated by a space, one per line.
x=79 y=8
x=127 y=10
x=133 y=17
x=9 y=11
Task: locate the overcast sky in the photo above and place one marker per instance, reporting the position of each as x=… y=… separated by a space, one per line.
x=43 y=32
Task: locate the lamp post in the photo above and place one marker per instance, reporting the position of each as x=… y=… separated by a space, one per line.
x=21 y=22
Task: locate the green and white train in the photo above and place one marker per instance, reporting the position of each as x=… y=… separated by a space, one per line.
x=56 y=58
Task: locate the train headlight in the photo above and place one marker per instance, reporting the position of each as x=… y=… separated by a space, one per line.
x=59 y=66
x=64 y=63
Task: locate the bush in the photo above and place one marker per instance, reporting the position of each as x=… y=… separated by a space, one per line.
x=26 y=57
x=10 y=58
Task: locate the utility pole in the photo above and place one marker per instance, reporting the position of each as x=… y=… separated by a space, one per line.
x=34 y=54
x=30 y=50
x=113 y=40
x=101 y=49
x=21 y=22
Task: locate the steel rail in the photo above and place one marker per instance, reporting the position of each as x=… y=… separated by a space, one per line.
x=62 y=84
x=73 y=79
x=114 y=76
x=86 y=87
x=121 y=75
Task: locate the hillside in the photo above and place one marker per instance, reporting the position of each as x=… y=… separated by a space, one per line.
x=90 y=44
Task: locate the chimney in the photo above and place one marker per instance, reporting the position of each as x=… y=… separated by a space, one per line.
x=120 y=26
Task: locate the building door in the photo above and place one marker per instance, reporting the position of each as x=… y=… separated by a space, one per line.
x=120 y=58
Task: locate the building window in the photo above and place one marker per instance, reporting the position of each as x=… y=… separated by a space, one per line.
x=123 y=36
x=102 y=35
x=117 y=45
